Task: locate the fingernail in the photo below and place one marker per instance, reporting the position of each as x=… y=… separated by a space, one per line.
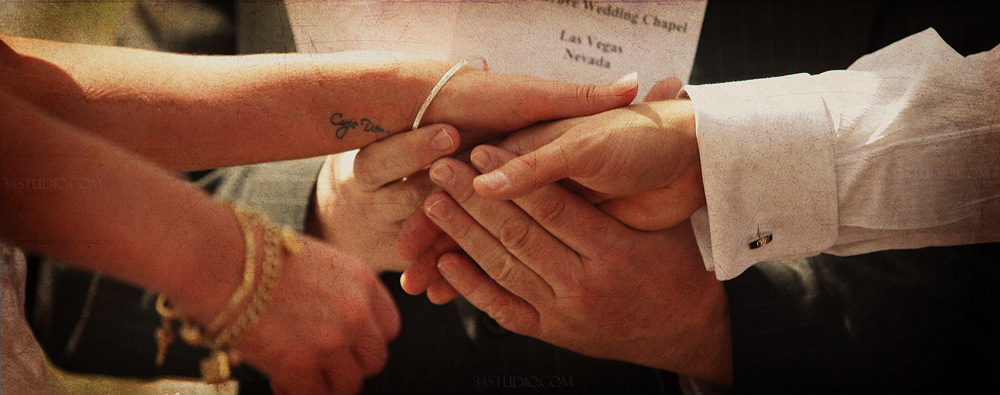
x=496 y=180
x=438 y=211
x=625 y=84
x=443 y=175
x=482 y=160
x=446 y=268
x=442 y=141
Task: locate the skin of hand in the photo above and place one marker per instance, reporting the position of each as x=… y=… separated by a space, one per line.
x=421 y=242
x=326 y=327
x=329 y=318
x=23 y=365
x=188 y=112
x=640 y=163
x=364 y=198
x=377 y=194
x=552 y=266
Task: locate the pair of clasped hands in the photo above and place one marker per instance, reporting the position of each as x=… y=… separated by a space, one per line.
x=601 y=262
x=573 y=231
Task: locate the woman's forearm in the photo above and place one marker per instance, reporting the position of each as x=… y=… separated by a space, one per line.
x=70 y=195
x=193 y=112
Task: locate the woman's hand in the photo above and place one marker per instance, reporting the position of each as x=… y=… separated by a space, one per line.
x=326 y=327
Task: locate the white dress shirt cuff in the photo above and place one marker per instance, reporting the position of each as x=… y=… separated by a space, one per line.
x=766 y=151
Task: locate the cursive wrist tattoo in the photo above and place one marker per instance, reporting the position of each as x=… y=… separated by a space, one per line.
x=344 y=124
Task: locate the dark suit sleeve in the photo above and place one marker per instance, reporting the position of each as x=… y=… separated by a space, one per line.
x=282 y=189
x=909 y=321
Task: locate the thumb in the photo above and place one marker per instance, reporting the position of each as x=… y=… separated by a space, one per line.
x=507 y=176
x=665 y=89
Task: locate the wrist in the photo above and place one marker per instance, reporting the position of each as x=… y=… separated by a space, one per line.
x=243 y=308
x=700 y=347
x=204 y=278
x=695 y=339
x=389 y=91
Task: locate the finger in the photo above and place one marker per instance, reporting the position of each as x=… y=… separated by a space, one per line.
x=371 y=349
x=556 y=100
x=664 y=89
x=396 y=202
x=484 y=248
x=509 y=310
x=423 y=273
x=402 y=154
x=420 y=274
x=383 y=308
x=343 y=373
x=441 y=292
x=309 y=376
x=526 y=173
x=524 y=242
x=565 y=215
x=519 y=101
x=529 y=139
x=416 y=236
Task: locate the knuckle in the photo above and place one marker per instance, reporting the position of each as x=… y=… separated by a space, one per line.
x=507 y=271
x=504 y=313
x=463 y=195
x=598 y=149
x=504 y=316
x=458 y=230
x=587 y=94
x=514 y=234
x=330 y=341
x=525 y=165
x=517 y=320
x=549 y=211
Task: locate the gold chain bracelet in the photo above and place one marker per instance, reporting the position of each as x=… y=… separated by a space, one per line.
x=218 y=337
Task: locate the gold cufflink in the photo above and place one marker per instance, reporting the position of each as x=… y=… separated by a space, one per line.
x=762 y=239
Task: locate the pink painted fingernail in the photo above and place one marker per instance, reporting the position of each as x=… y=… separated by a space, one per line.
x=626 y=84
x=438 y=211
x=496 y=180
x=443 y=175
x=442 y=141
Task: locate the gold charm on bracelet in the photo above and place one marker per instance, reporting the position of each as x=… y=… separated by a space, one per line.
x=215 y=367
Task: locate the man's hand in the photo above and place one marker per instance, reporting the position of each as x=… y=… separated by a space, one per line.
x=639 y=163
x=659 y=208
x=554 y=267
x=364 y=198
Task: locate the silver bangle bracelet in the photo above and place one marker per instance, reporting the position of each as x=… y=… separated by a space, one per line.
x=444 y=80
